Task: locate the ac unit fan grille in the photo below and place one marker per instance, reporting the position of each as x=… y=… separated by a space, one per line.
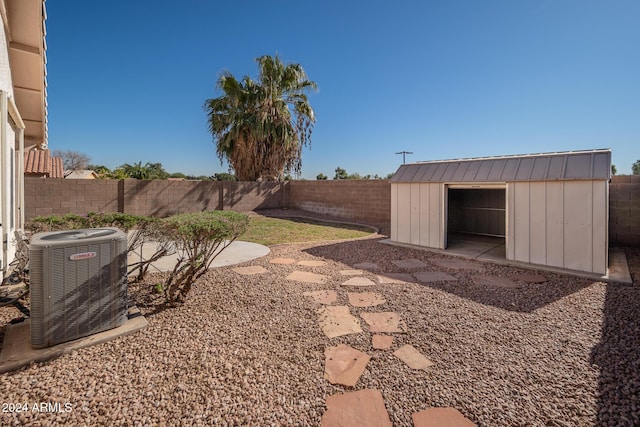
x=75 y=297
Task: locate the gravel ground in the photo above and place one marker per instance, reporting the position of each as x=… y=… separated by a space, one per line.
x=247 y=350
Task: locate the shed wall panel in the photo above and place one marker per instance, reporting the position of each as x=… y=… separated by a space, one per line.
x=521 y=235
x=555 y=224
x=435 y=216
x=404 y=213
x=559 y=224
x=510 y=205
x=537 y=223
x=577 y=225
x=424 y=214
x=394 y=213
x=415 y=214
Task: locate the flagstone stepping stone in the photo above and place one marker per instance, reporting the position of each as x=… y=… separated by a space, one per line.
x=529 y=278
x=322 y=297
x=250 y=270
x=365 y=299
x=384 y=322
x=441 y=417
x=337 y=320
x=357 y=408
x=433 y=276
x=389 y=278
x=282 y=261
x=457 y=264
x=351 y=272
x=412 y=357
x=382 y=342
x=307 y=277
x=366 y=266
x=498 y=282
x=311 y=263
x=359 y=281
x=344 y=365
x=409 y=263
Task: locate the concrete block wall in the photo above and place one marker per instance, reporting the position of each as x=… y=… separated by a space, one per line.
x=162 y=198
x=357 y=200
x=367 y=201
x=159 y=198
x=47 y=196
x=249 y=196
x=624 y=210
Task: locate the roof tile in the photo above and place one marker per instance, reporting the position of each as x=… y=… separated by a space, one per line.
x=40 y=162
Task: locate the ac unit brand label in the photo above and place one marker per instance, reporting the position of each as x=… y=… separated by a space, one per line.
x=82 y=255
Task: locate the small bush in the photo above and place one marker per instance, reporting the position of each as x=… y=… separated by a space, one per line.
x=42 y=224
x=199 y=238
x=72 y=221
x=124 y=222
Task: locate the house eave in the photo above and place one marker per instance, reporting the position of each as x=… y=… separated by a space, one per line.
x=24 y=22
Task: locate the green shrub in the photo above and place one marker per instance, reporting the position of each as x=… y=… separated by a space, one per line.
x=199 y=238
x=72 y=221
x=41 y=224
x=123 y=221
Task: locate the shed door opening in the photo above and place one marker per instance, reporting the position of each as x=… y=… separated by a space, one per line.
x=476 y=216
x=476 y=211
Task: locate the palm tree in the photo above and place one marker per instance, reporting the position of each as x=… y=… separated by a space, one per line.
x=261 y=126
x=146 y=171
x=136 y=170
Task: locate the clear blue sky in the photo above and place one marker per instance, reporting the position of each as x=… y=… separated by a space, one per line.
x=444 y=79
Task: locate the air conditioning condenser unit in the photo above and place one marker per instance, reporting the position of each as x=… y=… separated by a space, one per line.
x=78 y=284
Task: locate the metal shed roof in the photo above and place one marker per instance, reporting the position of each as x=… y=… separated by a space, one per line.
x=569 y=165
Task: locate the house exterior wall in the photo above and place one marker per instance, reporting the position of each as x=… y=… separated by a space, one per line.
x=559 y=224
x=6 y=83
x=7 y=159
x=9 y=218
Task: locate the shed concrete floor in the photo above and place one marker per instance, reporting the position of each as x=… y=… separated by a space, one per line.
x=487 y=248
x=492 y=249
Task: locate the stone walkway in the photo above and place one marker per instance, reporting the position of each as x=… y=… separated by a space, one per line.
x=344 y=364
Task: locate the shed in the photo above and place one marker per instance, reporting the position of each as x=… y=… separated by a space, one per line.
x=550 y=209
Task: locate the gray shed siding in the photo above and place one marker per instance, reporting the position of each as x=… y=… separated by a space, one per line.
x=556 y=205
x=415 y=214
x=559 y=224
